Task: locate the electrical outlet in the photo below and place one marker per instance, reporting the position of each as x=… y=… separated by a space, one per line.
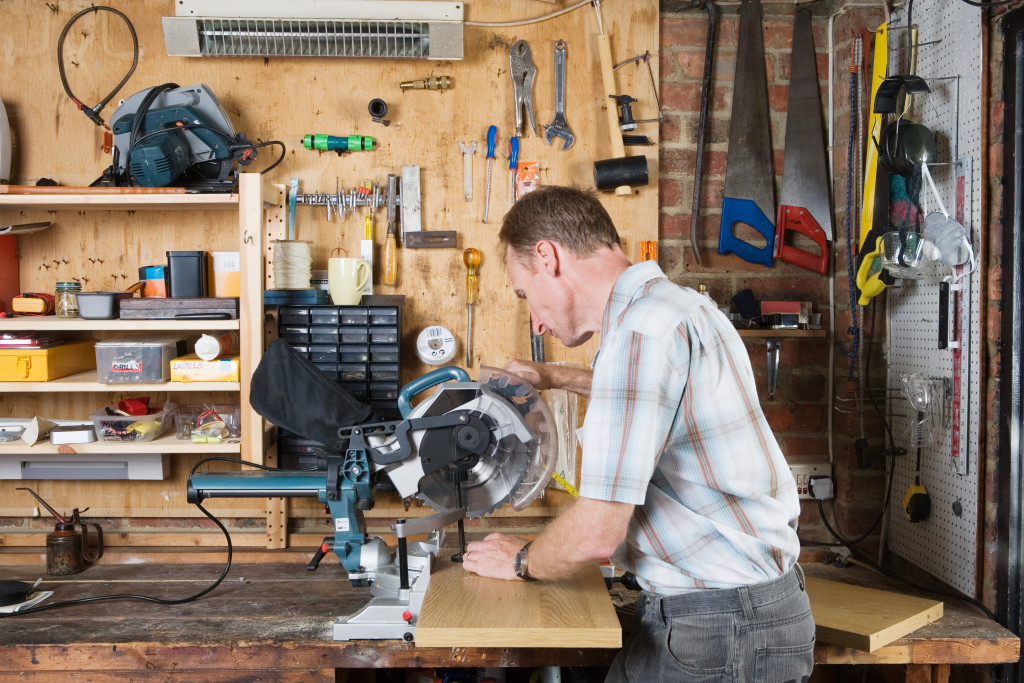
x=803 y=474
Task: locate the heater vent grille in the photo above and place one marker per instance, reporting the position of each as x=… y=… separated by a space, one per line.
x=313 y=38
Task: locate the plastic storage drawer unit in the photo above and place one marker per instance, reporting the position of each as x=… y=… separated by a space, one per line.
x=137 y=360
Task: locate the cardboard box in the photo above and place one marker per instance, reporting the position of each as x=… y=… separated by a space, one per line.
x=43 y=365
x=192 y=368
x=225 y=274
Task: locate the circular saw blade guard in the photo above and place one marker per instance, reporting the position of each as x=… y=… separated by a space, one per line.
x=521 y=455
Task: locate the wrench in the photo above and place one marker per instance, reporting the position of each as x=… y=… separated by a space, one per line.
x=560 y=127
x=467 y=167
x=523 y=72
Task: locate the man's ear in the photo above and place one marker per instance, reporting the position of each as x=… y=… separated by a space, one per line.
x=548 y=257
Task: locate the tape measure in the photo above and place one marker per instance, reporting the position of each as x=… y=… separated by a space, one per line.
x=565 y=485
x=435 y=345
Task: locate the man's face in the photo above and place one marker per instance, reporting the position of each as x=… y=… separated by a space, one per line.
x=552 y=304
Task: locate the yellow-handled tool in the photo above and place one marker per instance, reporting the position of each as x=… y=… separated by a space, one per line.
x=390 y=247
x=869 y=272
x=869 y=275
x=471 y=257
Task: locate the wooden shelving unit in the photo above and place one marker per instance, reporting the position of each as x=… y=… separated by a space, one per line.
x=105 y=238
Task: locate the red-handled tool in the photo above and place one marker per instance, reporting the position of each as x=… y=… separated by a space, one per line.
x=804 y=198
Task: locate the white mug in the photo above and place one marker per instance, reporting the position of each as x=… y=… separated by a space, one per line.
x=346 y=278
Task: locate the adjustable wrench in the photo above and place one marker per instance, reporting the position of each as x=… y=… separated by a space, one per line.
x=560 y=126
x=467 y=167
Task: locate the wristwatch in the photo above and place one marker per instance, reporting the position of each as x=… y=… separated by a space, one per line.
x=522 y=564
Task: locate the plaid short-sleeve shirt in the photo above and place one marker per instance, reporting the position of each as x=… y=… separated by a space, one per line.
x=674 y=427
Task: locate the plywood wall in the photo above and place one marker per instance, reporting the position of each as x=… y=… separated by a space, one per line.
x=283 y=99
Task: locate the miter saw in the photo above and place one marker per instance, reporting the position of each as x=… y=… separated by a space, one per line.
x=468 y=449
x=171 y=135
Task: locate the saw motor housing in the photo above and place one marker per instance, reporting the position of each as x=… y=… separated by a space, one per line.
x=171 y=135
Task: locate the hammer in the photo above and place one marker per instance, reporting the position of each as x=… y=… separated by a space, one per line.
x=621 y=173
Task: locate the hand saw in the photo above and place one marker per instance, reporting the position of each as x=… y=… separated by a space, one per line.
x=804 y=204
x=749 y=185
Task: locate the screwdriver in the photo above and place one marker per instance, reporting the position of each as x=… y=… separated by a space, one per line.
x=471 y=257
x=513 y=167
x=492 y=138
x=390 y=248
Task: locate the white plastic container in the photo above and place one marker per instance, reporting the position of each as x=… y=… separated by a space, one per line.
x=132 y=428
x=137 y=360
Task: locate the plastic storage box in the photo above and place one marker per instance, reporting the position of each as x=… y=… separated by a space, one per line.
x=187 y=415
x=136 y=360
x=132 y=428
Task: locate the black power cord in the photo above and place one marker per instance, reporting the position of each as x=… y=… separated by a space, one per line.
x=147 y=598
x=94 y=112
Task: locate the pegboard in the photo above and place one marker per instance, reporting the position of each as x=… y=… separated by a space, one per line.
x=949 y=60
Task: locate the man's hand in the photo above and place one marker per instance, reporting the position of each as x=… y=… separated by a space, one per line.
x=494 y=556
x=535 y=373
x=550 y=376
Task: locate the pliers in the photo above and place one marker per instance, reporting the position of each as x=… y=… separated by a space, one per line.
x=523 y=73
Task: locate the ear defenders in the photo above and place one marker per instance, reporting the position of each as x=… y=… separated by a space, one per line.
x=904 y=145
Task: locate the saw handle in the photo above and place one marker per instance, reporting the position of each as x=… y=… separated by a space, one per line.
x=800 y=219
x=424 y=382
x=746 y=211
x=869 y=275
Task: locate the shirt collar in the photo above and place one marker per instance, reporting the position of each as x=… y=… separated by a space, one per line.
x=628 y=287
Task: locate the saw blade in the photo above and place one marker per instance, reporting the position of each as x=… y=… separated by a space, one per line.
x=520 y=454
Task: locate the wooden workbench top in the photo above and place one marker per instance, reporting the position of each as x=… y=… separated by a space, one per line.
x=278 y=617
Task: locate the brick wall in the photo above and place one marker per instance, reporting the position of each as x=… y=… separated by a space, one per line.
x=799 y=412
x=994 y=226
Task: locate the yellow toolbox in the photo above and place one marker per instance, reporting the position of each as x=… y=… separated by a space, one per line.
x=42 y=365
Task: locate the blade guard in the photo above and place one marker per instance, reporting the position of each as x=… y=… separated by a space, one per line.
x=746 y=211
x=800 y=220
x=424 y=382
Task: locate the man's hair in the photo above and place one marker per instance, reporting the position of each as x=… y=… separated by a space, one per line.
x=570 y=216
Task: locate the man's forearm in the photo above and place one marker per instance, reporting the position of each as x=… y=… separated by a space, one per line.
x=583 y=535
x=576 y=380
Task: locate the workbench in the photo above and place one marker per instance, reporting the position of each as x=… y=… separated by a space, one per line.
x=274 y=620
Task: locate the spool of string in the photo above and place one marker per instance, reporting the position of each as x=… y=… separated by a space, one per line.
x=293 y=263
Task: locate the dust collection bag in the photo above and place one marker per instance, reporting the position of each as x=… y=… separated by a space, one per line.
x=289 y=391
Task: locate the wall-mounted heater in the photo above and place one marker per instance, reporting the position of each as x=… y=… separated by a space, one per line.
x=394 y=29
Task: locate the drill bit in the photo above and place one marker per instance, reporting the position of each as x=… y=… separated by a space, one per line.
x=432 y=83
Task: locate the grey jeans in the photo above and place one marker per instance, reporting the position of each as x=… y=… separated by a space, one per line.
x=762 y=633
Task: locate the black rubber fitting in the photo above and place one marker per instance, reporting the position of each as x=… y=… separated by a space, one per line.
x=612 y=173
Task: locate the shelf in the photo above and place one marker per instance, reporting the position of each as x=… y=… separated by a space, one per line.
x=86 y=381
x=119 y=202
x=165 y=444
x=51 y=323
x=782 y=334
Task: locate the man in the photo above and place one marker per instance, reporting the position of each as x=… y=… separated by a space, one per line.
x=682 y=482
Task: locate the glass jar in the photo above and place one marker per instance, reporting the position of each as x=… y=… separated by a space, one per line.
x=66 y=303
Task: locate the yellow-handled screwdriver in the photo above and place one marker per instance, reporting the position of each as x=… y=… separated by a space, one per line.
x=390 y=248
x=471 y=257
